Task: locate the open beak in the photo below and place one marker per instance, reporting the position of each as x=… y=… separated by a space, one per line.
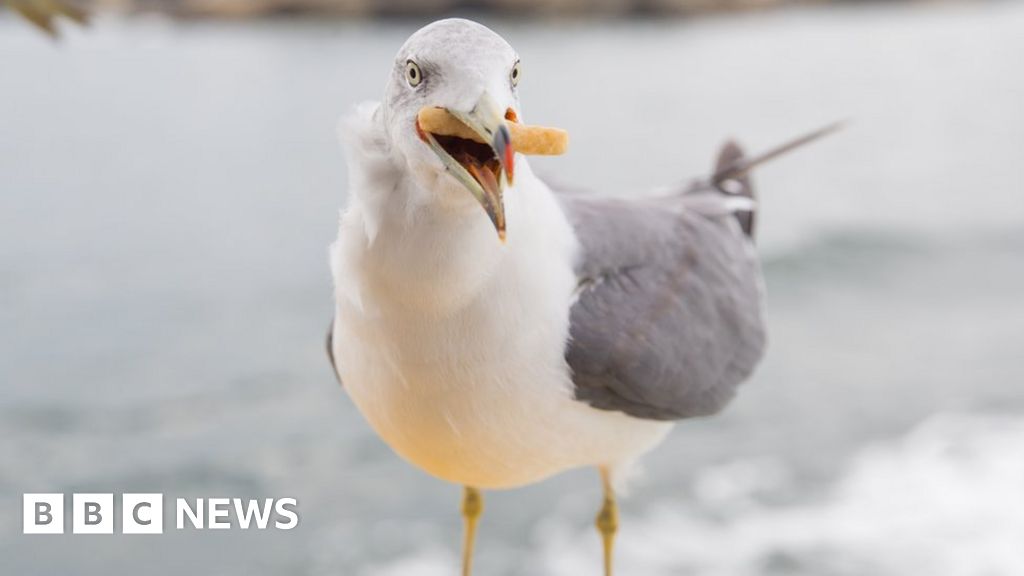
x=484 y=169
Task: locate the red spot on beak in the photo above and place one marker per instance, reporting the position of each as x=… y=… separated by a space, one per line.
x=510 y=159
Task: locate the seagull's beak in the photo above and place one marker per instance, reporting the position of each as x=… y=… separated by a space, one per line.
x=479 y=167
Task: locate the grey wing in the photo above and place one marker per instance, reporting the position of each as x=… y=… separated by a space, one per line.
x=668 y=320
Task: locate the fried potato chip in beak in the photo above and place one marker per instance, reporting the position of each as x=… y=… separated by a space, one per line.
x=479 y=146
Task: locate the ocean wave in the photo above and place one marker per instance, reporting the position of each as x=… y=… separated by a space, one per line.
x=944 y=500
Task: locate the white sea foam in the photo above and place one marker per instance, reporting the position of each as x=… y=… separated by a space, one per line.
x=428 y=562
x=945 y=500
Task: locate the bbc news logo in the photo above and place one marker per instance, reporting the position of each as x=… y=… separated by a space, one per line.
x=144 y=513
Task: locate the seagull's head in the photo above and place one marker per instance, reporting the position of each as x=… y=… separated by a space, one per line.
x=470 y=71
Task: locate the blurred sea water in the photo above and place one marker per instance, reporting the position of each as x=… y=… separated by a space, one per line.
x=168 y=191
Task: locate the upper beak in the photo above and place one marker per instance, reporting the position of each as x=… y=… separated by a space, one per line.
x=487 y=120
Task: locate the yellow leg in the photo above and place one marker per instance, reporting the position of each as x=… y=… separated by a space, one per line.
x=608 y=521
x=472 y=508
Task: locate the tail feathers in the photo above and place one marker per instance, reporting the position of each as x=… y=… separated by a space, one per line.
x=730 y=176
x=729 y=156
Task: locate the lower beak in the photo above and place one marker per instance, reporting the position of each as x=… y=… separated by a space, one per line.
x=481 y=176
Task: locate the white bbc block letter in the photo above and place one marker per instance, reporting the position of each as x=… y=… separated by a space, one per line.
x=142 y=513
x=43 y=514
x=92 y=514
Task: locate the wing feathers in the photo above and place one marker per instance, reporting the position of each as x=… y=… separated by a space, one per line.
x=668 y=321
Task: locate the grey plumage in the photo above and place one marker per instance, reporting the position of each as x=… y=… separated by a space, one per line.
x=668 y=321
x=732 y=155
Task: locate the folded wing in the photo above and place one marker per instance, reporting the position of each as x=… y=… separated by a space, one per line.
x=668 y=319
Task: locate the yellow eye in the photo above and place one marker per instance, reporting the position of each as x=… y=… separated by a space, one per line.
x=515 y=74
x=413 y=74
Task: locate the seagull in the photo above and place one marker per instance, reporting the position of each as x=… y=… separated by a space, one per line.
x=495 y=331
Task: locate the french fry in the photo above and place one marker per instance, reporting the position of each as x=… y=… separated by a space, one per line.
x=530 y=140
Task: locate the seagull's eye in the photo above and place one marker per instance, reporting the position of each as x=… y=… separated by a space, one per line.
x=515 y=74
x=413 y=74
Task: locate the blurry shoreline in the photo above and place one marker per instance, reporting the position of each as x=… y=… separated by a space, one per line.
x=239 y=9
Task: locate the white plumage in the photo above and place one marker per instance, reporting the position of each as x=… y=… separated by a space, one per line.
x=495 y=335
x=451 y=343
